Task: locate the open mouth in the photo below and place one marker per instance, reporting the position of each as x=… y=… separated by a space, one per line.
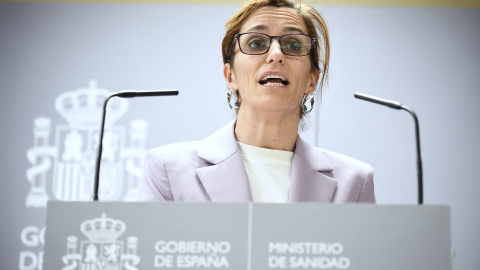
x=274 y=80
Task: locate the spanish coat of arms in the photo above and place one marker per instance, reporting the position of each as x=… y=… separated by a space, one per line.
x=65 y=170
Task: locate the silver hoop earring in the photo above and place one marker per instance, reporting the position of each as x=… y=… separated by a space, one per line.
x=235 y=102
x=305 y=100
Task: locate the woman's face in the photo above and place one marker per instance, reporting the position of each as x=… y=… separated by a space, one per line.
x=248 y=73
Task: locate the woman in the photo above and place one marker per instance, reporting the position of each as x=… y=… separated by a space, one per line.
x=271 y=51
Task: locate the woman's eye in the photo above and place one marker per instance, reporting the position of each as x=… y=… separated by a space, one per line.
x=254 y=44
x=294 y=46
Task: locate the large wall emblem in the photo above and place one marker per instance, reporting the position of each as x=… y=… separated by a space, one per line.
x=65 y=170
x=102 y=250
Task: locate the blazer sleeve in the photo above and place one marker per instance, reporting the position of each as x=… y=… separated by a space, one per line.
x=367 y=194
x=155 y=185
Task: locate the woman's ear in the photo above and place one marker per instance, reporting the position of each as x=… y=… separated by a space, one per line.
x=230 y=77
x=312 y=84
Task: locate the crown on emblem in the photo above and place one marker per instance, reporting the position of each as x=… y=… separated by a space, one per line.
x=103 y=229
x=83 y=107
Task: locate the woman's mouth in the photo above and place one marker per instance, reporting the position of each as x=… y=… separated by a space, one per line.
x=274 y=80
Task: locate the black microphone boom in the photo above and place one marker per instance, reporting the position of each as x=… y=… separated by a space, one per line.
x=146 y=93
x=122 y=94
x=399 y=106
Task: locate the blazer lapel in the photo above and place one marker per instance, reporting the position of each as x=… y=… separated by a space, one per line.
x=310 y=180
x=225 y=179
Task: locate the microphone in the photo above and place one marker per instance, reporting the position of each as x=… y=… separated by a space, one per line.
x=122 y=94
x=399 y=106
x=390 y=103
x=146 y=93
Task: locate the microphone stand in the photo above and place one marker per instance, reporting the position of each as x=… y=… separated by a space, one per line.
x=399 y=106
x=122 y=94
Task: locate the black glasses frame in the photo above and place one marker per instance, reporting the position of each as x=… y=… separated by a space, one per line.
x=237 y=37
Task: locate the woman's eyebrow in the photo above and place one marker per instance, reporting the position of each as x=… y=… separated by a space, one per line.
x=291 y=28
x=258 y=27
x=287 y=29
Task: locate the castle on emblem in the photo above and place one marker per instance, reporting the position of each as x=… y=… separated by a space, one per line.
x=65 y=170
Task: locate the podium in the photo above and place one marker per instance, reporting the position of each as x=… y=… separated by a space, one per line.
x=245 y=236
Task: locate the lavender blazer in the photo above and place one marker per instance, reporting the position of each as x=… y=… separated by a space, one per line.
x=213 y=170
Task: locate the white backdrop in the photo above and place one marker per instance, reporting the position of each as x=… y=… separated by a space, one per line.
x=428 y=58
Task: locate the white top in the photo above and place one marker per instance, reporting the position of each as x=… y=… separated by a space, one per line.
x=268 y=171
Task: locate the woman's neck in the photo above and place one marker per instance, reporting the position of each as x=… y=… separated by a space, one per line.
x=272 y=131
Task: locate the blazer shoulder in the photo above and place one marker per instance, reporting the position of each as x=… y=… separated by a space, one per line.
x=163 y=167
x=175 y=151
x=354 y=178
x=176 y=159
x=340 y=160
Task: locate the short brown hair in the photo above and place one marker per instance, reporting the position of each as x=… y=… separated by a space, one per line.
x=316 y=26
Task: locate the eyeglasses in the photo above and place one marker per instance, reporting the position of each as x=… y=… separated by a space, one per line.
x=291 y=44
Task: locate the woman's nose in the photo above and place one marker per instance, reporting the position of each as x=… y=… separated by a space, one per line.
x=275 y=53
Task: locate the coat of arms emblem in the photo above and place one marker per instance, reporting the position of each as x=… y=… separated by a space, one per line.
x=102 y=250
x=65 y=170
